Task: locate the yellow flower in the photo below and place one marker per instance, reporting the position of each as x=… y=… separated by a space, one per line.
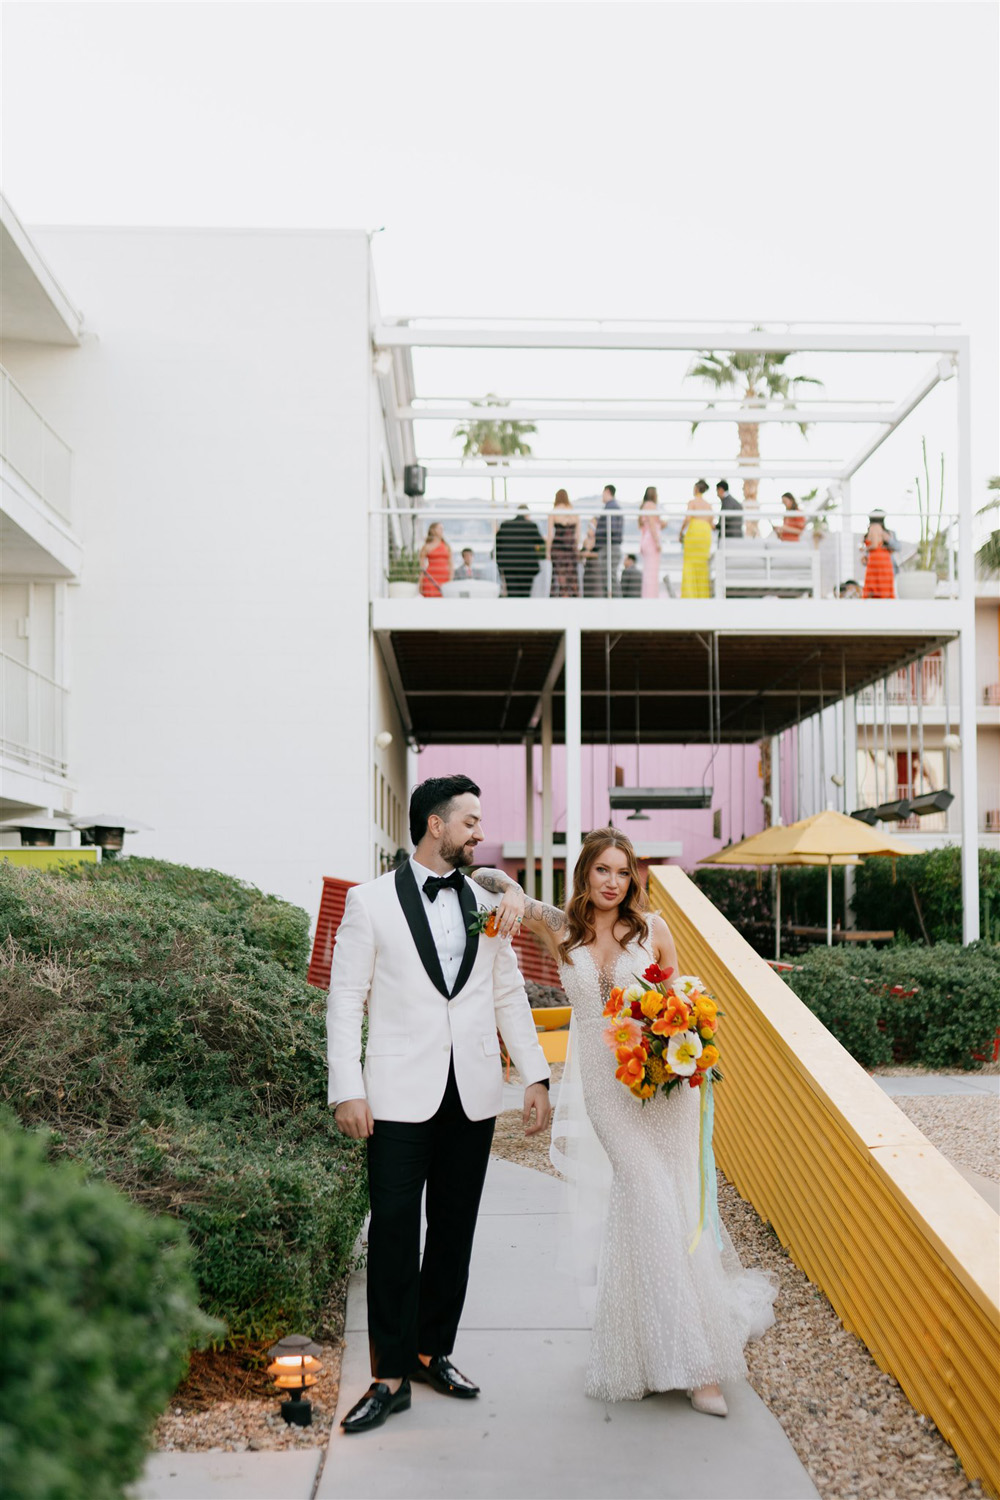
x=652 y=1003
x=709 y=1057
x=657 y=1071
x=643 y=1090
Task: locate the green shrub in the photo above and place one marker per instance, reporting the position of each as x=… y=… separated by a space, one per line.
x=279 y=929
x=921 y=898
x=946 y=1009
x=100 y=1312
x=746 y=899
x=177 y=1061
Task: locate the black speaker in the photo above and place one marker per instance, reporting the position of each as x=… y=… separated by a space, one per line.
x=414 y=479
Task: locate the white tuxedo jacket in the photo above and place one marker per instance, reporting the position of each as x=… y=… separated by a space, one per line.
x=385 y=954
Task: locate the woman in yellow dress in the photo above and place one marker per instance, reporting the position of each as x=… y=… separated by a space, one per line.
x=696 y=534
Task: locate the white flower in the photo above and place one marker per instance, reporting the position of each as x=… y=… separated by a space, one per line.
x=686 y=984
x=683 y=1052
x=634 y=992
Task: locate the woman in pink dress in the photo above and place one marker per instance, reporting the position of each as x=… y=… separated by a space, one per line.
x=650 y=527
x=435 y=562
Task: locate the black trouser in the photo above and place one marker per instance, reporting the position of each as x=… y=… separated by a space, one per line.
x=412 y=1307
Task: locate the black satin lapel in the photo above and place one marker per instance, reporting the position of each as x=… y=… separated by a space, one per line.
x=470 y=908
x=412 y=903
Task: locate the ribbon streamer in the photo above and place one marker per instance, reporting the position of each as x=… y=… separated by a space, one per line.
x=708 y=1198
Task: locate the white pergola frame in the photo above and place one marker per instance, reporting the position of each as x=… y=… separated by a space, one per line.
x=402 y=406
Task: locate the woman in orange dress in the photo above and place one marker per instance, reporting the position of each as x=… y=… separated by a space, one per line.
x=435 y=562
x=880 y=580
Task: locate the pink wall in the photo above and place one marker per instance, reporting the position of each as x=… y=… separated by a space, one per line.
x=500 y=772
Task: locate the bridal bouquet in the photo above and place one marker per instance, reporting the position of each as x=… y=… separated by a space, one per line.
x=662 y=1033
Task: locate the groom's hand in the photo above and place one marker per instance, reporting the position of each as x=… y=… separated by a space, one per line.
x=536 y=1097
x=355 y=1119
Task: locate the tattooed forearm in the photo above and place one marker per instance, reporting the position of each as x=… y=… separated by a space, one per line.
x=493 y=880
x=549 y=916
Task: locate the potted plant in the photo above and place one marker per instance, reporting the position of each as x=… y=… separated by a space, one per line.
x=920 y=581
x=494 y=438
x=403 y=574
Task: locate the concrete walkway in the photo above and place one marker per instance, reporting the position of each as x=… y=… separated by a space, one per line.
x=940 y=1083
x=524 y=1338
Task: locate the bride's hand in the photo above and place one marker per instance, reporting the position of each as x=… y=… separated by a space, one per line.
x=510 y=912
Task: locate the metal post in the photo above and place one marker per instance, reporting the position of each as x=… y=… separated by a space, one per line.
x=967 y=657
x=547 y=881
x=850 y=791
x=775 y=779
x=529 y=815
x=572 y=681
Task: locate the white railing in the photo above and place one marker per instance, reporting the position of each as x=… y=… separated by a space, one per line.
x=33 y=448
x=923 y=680
x=828 y=552
x=989 y=808
x=32 y=717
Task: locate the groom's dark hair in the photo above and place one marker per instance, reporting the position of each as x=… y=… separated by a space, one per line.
x=433 y=798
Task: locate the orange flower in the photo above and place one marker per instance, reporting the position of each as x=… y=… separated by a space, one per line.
x=614 y=1004
x=632 y=1062
x=492 y=924
x=623 y=1033
x=674 y=1018
x=643 y=1090
x=709 y=1057
x=696 y=1079
x=652 y=1003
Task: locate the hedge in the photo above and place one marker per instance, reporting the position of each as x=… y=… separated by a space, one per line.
x=99 y=1313
x=938 y=1006
x=172 y=1057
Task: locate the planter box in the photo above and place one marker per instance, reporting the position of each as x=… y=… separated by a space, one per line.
x=916 y=585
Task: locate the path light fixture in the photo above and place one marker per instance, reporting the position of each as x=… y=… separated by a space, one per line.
x=295 y=1367
x=107 y=831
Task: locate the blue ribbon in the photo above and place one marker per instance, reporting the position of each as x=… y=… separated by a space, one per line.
x=708 y=1183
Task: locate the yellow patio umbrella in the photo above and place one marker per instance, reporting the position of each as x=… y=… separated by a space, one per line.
x=827 y=836
x=744 y=854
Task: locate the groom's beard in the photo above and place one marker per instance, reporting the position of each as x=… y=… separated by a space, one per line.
x=456 y=855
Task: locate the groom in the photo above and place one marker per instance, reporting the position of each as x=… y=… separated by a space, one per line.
x=431 y=1086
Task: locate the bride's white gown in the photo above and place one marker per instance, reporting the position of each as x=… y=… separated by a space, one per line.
x=665 y=1319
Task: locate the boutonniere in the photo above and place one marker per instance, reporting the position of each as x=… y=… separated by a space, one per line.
x=484 y=923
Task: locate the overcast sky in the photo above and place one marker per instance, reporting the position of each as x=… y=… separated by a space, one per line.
x=716 y=160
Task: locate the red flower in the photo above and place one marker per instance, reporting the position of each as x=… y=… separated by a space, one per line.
x=655 y=975
x=696 y=1080
x=636 y=1008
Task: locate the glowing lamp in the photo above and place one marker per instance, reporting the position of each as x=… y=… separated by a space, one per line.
x=294 y=1368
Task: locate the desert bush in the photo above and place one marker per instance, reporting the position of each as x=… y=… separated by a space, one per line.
x=100 y=1311
x=177 y=1061
x=935 y=1006
x=277 y=928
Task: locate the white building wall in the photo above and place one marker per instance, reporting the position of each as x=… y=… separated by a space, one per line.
x=218 y=410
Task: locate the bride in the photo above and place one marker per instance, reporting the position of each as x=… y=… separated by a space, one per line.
x=665 y=1319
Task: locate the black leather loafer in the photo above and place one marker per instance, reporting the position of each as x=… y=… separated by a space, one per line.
x=375 y=1405
x=442 y=1375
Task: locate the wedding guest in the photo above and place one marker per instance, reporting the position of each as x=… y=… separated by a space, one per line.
x=519 y=545
x=879 y=543
x=793 y=523
x=562 y=544
x=466 y=569
x=696 y=535
x=604 y=564
x=732 y=525
x=650 y=527
x=435 y=562
x=631 y=579
x=849 y=589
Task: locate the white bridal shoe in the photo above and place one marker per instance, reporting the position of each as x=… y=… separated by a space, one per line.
x=712 y=1406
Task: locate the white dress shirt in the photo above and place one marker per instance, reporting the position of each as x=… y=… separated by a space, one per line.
x=447 y=924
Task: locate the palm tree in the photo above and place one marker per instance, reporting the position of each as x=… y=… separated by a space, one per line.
x=759 y=378
x=494 y=438
x=988 y=556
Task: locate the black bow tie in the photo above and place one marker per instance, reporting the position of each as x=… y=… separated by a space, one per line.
x=435 y=883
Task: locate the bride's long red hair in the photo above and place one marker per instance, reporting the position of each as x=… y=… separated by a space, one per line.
x=580 y=910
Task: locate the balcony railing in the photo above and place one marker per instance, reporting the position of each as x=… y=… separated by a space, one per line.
x=827 y=554
x=32 y=717
x=921 y=681
x=33 y=448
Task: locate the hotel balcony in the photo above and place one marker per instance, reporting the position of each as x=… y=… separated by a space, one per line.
x=36 y=515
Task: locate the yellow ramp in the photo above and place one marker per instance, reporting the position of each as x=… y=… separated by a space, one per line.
x=907 y=1252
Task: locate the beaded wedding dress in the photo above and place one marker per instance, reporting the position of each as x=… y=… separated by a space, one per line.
x=665 y=1319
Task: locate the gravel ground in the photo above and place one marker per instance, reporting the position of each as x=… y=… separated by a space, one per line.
x=964 y=1127
x=850 y=1423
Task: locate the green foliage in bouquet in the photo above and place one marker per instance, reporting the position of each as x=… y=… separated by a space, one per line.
x=176 y=1059
x=100 y=1311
